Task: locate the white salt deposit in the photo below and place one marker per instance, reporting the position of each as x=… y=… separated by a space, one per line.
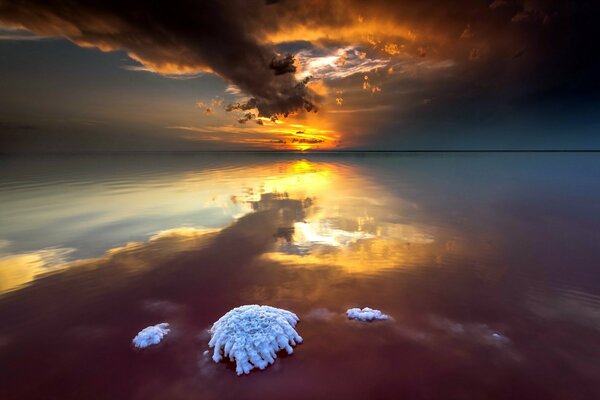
x=251 y=336
x=151 y=335
x=366 y=314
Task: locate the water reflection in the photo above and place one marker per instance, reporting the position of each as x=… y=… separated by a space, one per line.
x=487 y=265
x=325 y=215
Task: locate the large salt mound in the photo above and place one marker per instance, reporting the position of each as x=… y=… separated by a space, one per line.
x=252 y=335
x=151 y=335
x=366 y=314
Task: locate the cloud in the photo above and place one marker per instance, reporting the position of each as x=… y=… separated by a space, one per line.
x=232 y=89
x=392 y=49
x=373 y=109
x=186 y=38
x=324 y=63
x=283 y=65
x=306 y=141
x=290 y=135
x=177 y=76
x=287 y=101
x=243 y=106
x=210 y=107
x=17 y=35
x=247 y=117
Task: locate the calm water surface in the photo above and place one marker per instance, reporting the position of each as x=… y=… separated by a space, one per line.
x=489 y=265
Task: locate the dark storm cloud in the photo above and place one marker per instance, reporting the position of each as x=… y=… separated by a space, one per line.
x=290 y=99
x=283 y=65
x=245 y=106
x=184 y=37
x=234 y=38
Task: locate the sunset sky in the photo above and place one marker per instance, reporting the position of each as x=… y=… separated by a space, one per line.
x=298 y=75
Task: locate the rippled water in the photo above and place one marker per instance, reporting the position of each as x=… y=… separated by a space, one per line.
x=488 y=264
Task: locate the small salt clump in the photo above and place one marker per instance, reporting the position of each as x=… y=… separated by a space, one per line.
x=151 y=335
x=252 y=335
x=366 y=314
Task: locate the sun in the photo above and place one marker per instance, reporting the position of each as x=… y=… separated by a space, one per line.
x=300 y=135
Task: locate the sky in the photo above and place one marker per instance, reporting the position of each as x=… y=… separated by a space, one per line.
x=91 y=75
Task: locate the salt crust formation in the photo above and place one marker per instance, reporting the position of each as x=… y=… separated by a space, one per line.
x=251 y=335
x=151 y=335
x=366 y=314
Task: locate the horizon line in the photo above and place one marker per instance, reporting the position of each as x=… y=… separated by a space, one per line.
x=99 y=152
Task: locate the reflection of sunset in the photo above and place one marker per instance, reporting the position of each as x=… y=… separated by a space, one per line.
x=368 y=256
x=18 y=270
x=356 y=248
x=344 y=228
x=299 y=179
x=339 y=223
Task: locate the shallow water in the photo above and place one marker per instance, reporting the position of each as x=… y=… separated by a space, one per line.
x=488 y=264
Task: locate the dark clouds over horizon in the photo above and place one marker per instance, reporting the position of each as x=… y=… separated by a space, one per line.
x=379 y=74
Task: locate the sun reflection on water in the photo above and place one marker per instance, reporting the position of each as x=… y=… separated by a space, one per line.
x=327 y=213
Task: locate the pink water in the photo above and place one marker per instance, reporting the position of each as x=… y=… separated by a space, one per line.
x=488 y=265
